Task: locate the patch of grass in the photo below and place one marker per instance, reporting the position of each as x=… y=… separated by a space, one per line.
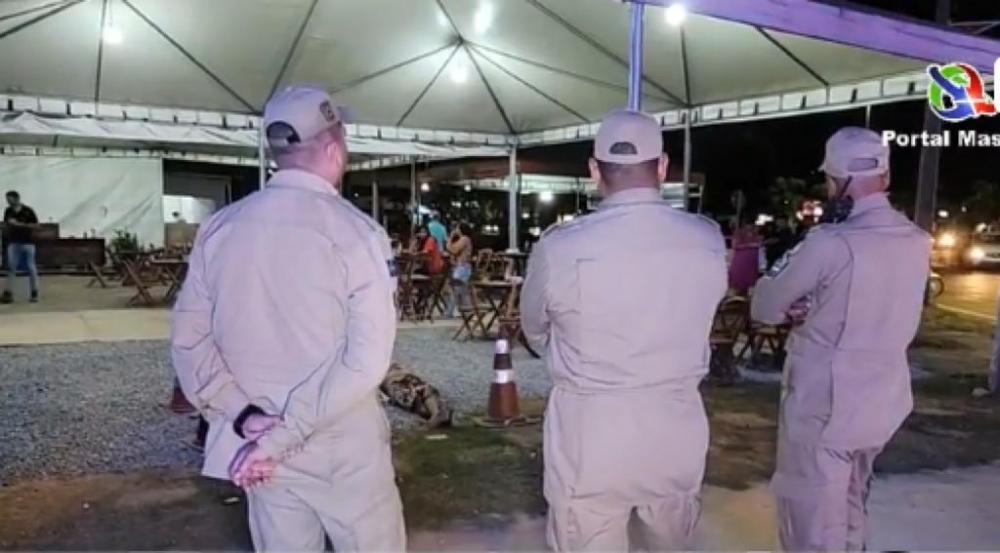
x=474 y=472
x=480 y=473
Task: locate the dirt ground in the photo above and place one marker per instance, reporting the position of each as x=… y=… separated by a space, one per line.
x=492 y=478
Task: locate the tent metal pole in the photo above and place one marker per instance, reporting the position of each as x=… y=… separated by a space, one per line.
x=415 y=208
x=513 y=197
x=635 y=58
x=375 y=205
x=930 y=158
x=261 y=157
x=687 y=160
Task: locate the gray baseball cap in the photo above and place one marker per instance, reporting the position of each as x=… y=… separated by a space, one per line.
x=855 y=152
x=298 y=114
x=628 y=137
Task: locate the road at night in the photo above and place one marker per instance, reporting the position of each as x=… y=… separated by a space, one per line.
x=973 y=294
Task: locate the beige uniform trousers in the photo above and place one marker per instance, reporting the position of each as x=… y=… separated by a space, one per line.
x=822 y=496
x=623 y=471
x=341 y=485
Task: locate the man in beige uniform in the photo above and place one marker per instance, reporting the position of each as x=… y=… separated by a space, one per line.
x=856 y=288
x=624 y=299
x=281 y=336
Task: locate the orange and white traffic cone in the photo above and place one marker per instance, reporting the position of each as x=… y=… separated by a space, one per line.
x=504 y=408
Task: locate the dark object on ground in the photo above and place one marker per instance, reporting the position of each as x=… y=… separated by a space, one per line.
x=412 y=393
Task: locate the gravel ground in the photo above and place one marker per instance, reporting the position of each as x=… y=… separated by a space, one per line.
x=99 y=407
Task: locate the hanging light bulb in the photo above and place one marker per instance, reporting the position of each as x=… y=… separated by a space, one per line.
x=111 y=33
x=676 y=14
x=483 y=19
x=458 y=71
x=546 y=197
x=425 y=187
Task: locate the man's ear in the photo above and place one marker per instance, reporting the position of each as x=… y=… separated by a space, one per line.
x=662 y=167
x=337 y=151
x=595 y=175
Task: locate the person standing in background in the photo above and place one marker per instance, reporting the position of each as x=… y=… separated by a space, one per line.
x=438 y=231
x=744 y=267
x=20 y=222
x=460 y=248
x=780 y=241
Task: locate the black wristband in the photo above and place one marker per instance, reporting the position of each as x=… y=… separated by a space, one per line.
x=250 y=409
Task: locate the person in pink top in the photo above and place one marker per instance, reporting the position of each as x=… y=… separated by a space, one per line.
x=744 y=267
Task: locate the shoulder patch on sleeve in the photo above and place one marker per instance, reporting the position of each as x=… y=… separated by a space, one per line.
x=782 y=263
x=559 y=227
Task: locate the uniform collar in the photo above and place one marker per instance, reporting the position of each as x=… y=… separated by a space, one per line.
x=632 y=195
x=304 y=180
x=869 y=203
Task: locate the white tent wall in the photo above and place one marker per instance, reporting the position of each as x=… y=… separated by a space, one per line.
x=84 y=195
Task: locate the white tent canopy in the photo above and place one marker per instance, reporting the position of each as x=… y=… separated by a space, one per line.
x=455 y=73
x=505 y=67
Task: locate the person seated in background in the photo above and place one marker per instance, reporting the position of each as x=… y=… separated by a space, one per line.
x=460 y=248
x=425 y=243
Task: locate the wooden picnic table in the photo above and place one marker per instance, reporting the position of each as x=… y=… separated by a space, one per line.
x=518 y=259
x=497 y=294
x=174 y=269
x=501 y=298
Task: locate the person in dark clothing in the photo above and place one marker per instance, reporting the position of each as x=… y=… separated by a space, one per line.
x=779 y=241
x=20 y=222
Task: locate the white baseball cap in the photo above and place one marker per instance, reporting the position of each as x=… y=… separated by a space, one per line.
x=299 y=113
x=855 y=152
x=628 y=137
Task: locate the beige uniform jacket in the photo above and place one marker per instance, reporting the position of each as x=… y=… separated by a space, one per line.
x=847 y=379
x=288 y=304
x=624 y=300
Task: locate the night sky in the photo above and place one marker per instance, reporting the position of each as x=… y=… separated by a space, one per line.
x=750 y=156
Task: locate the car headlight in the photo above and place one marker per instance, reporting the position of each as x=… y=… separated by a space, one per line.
x=976 y=254
x=946 y=240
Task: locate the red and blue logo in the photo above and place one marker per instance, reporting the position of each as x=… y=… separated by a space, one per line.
x=957 y=92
